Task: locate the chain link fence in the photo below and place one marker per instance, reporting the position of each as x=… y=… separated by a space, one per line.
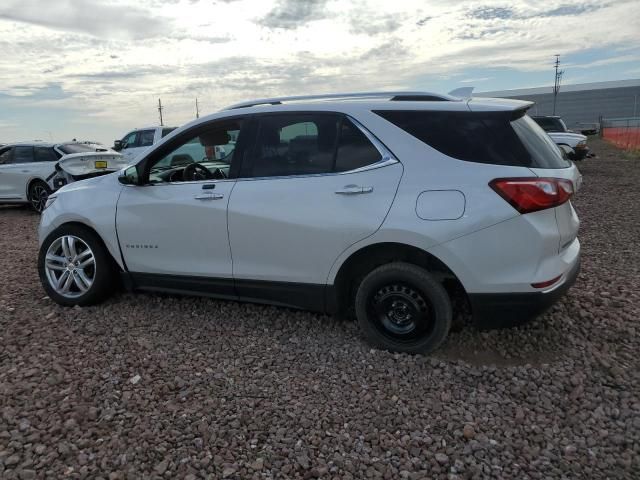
x=622 y=132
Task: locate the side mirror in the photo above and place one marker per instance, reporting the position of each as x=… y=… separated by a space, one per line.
x=117 y=145
x=129 y=176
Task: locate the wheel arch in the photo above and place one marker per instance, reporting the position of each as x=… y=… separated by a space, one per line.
x=117 y=262
x=362 y=261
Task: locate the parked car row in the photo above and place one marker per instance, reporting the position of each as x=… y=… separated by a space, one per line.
x=29 y=172
x=562 y=136
x=399 y=207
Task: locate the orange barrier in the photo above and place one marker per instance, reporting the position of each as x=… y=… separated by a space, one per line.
x=623 y=137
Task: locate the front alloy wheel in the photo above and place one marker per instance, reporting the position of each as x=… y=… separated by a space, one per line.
x=75 y=267
x=70 y=266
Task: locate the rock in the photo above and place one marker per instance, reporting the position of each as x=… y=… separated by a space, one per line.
x=441 y=458
x=161 y=467
x=26 y=474
x=228 y=471
x=135 y=379
x=258 y=464
x=468 y=432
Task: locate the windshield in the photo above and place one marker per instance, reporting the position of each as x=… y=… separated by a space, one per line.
x=68 y=148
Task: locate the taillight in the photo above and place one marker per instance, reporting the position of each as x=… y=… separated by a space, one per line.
x=531 y=194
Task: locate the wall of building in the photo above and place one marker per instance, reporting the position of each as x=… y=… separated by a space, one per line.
x=586 y=105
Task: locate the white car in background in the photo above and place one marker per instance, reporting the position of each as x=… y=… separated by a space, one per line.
x=562 y=136
x=27 y=170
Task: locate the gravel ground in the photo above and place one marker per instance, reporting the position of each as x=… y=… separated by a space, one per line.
x=149 y=386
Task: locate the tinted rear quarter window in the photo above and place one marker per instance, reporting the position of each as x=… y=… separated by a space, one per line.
x=354 y=150
x=497 y=138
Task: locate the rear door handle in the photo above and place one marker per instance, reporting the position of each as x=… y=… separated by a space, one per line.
x=209 y=196
x=354 y=190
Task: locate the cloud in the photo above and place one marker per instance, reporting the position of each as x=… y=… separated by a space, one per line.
x=364 y=22
x=291 y=14
x=93 y=18
x=565 y=10
x=491 y=13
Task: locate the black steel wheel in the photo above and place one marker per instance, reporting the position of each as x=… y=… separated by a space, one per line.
x=400 y=307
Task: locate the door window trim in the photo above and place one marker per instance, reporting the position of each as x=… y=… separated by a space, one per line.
x=386 y=156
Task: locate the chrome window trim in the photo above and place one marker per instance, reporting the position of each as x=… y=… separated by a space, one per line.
x=387 y=158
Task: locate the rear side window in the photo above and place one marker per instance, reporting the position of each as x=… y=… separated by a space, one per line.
x=167 y=131
x=498 y=138
x=305 y=144
x=22 y=154
x=298 y=144
x=44 y=154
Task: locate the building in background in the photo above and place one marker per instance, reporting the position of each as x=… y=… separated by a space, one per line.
x=581 y=103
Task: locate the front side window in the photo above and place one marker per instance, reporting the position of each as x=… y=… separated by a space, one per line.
x=44 y=154
x=22 y=154
x=5 y=156
x=206 y=155
x=145 y=138
x=308 y=144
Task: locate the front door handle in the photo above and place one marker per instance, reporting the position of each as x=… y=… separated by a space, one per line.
x=209 y=196
x=354 y=190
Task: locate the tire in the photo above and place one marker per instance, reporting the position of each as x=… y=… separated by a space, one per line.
x=400 y=307
x=38 y=194
x=89 y=277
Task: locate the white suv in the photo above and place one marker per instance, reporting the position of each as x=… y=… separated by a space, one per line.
x=401 y=206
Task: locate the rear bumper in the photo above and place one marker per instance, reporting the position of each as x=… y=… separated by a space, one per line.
x=501 y=310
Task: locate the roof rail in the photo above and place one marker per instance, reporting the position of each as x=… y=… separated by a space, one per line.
x=396 y=96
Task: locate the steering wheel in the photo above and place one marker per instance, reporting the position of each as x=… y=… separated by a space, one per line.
x=196 y=171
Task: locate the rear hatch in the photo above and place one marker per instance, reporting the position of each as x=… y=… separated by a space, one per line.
x=548 y=162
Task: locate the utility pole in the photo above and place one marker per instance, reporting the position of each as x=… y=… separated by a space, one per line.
x=197 y=110
x=556 y=83
x=160 y=108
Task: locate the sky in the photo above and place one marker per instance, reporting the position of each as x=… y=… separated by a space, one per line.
x=94 y=70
